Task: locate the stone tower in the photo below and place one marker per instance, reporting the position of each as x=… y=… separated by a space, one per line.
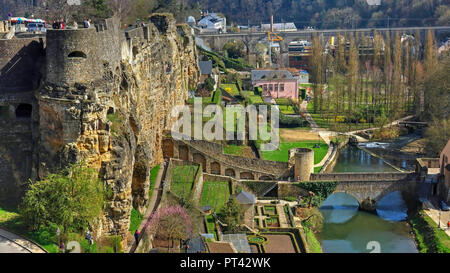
x=302 y=160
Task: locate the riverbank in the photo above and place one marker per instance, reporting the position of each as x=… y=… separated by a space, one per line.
x=429 y=238
x=312 y=243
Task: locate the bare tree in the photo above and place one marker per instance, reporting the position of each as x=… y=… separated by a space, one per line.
x=121 y=8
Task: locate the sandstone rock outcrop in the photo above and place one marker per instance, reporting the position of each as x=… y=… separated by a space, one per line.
x=112 y=110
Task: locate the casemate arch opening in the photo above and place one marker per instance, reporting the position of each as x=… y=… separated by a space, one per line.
x=24 y=111
x=77 y=54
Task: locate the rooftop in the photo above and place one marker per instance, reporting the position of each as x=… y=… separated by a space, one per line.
x=221 y=247
x=246 y=198
x=239 y=241
x=205 y=67
x=258 y=75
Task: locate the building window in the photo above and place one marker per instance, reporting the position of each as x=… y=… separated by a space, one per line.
x=270 y=87
x=24 y=111
x=281 y=87
x=265 y=87
x=276 y=87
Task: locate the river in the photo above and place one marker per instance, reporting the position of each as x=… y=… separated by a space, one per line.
x=347 y=229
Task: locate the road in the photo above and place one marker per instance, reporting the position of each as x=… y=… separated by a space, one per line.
x=12 y=243
x=7 y=246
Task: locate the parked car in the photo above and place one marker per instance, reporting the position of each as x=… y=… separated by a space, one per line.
x=444 y=206
x=36 y=27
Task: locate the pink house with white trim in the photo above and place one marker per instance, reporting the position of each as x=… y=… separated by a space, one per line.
x=276 y=83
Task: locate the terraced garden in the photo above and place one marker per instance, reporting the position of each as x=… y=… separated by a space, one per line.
x=271 y=222
x=215 y=194
x=183 y=179
x=269 y=210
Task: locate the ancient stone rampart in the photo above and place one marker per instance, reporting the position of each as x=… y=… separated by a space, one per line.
x=105 y=97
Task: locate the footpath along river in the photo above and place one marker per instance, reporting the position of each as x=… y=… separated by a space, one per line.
x=347 y=229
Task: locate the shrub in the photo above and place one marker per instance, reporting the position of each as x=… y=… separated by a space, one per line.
x=340 y=119
x=86 y=247
x=291 y=122
x=107 y=249
x=217 y=97
x=49 y=202
x=209 y=84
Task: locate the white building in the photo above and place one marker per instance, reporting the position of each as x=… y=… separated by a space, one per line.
x=211 y=22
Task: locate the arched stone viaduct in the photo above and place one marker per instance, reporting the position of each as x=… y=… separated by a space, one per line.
x=217 y=41
x=366 y=188
x=251 y=39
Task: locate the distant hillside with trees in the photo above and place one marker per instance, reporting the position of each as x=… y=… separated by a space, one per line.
x=322 y=14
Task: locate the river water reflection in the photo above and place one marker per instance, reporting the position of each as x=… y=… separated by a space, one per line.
x=348 y=230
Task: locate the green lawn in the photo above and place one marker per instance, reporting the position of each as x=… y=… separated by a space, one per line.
x=287 y=109
x=312 y=242
x=12 y=221
x=246 y=94
x=135 y=220
x=254 y=99
x=215 y=194
x=283 y=101
x=182 y=180
x=210 y=225
x=269 y=210
x=153 y=175
x=234 y=149
x=429 y=237
x=46 y=237
x=282 y=154
x=230 y=88
x=215 y=98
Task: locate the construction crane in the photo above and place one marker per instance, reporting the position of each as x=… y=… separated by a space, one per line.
x=272 y=37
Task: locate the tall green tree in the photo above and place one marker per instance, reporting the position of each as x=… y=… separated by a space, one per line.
x=231 y=214
x=397 y=90
x=430 y=53
x=317 y=70
x=437 y=91
x=71 y=199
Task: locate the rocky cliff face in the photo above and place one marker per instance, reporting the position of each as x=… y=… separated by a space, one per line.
x=115 y=120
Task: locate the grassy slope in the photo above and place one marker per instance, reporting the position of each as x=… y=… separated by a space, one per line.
x=11 y=221
x=135 y=220
x=313 y=244
x=230 y=88
x=429 y=237
x=211 y=226
x=215 y=194
x=153 y=175
x=183 y=178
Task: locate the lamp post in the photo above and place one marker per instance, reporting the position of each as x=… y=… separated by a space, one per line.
x=439 y=223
